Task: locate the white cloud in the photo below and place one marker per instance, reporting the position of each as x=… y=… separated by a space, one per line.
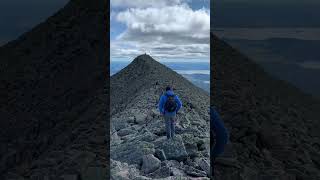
x=145 y=3
x=175 y=31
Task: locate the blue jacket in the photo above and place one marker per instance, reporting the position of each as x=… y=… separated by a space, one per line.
x=163 y=100
x=221 y=132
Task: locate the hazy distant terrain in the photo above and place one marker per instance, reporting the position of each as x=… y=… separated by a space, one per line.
x=196 y=72
x=292 y=60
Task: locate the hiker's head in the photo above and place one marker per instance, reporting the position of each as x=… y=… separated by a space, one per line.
x=168 y=88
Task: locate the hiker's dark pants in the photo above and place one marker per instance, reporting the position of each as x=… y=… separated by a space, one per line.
x=170 y=125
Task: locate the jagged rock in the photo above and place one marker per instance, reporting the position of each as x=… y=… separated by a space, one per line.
x=115 y=139
x=160 y=154
x=119 y=124
x=130 y=119
x=126 y=131
x=131 y=152
x=122 y=171
x=191 y=144
x=140 y=118
x=150 y=163
x=176 y=172
x=204 y=165
x=162 y=172
x=194 y=172
x=173 y=149
x=146 y=136
x=155 y=112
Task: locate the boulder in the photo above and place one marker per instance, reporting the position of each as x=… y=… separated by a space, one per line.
x=121 y=171
x=173 y=148
x=149 y=163
x=140 y=118
x=131 y=152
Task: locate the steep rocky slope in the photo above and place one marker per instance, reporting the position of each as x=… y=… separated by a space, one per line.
x=139 y=148
x=274 y=127
x=52 y=114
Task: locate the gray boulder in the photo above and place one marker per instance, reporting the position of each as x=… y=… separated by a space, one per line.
x=131 y=152
x=149 y=163
x=173 y=148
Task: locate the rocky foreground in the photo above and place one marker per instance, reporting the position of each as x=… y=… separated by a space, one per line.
x=139 y=148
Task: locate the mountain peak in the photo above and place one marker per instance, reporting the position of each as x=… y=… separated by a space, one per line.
x=144 y=73
x=144 y=59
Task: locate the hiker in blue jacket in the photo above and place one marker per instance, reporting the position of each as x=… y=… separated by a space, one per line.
x=221 y=136
x=169 y=105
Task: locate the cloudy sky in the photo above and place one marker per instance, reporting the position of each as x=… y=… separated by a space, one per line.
x=166 y=29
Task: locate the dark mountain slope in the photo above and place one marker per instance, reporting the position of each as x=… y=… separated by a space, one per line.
x=52 y=97
x=274 y=126
x=144 y=73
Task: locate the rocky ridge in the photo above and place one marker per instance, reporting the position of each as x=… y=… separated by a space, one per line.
x=274 y=127
x=53 y=100
x=139 y=148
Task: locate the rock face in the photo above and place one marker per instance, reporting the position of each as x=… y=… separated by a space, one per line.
x=53 y=119
x=274 y=128
x=138 y=137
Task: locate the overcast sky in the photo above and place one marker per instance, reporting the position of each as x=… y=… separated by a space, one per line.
x=166 y=29
x=19 y=16
x=265 y=13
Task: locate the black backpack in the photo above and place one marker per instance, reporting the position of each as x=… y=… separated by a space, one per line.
x=170 y=104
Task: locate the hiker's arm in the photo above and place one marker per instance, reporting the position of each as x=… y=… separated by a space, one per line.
x=161 y=105
x=179 y=103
